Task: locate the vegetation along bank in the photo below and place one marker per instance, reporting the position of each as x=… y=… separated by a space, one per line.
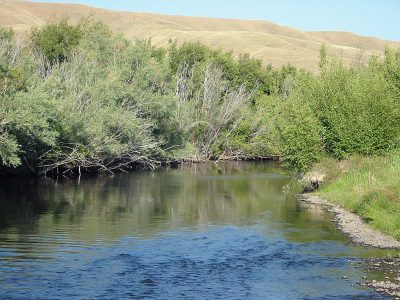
x=77 y=98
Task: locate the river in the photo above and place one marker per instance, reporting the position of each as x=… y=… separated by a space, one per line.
x=232 y=230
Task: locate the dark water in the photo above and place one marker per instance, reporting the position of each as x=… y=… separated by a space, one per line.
x=232 y=231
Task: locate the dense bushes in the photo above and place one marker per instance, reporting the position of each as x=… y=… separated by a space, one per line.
x=359 y=111
x=56 y=41
x=297 y=132
x=341 y=112
x=75 y=113
x=78 y=98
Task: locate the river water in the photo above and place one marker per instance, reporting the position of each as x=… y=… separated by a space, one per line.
x=229 y=231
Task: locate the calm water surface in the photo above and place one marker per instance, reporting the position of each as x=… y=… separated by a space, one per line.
x=226 y=231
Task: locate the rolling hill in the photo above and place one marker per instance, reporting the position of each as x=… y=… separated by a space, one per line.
x=270 y=42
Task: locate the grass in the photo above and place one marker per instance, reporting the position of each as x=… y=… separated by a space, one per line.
x=367 y=186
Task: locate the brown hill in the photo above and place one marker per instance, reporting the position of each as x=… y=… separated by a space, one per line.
x=270 y=42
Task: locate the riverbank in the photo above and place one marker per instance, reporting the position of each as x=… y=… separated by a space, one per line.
x=76 y=172
x=363 y=193
x=360 y=233
x=353 y=226
x=391 y=268
x=367 y=186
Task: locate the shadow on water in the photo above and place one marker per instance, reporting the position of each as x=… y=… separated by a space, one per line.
x=229 y=230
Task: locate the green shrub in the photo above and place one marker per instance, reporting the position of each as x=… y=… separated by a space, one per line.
x=189 y=53
x=296 y=132
x=56 y=41
x=359 y=111
x=391 y=68
x=95 y=100
x=8 y=150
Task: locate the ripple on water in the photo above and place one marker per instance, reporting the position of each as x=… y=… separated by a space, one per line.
x=223 y=262
x=219 y=263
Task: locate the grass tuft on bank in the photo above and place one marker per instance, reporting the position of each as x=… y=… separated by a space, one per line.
x=367 y=186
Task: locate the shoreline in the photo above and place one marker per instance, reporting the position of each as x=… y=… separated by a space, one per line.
x=353 y=226
x=23 y=172
x=358 y=232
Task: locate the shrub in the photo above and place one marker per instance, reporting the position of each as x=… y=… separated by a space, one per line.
x=56 y=41
x=359 y=111
x=97 y=101
x=295 y=132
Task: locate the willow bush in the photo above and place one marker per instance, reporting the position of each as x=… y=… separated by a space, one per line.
x=358 y=109
x=77 y=98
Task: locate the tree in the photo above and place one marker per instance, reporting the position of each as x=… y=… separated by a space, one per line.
x=56 y=41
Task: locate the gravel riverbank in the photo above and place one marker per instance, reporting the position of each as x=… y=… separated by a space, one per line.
x=360 y=233
x=353 y=226
x=391 y=268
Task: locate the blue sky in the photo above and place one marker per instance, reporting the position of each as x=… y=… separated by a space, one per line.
x=380 y=18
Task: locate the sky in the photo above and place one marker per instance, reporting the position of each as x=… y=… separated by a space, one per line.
x=379 y=18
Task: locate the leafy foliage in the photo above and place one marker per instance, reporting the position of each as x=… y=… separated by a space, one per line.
x=56 y=41
x=297 y=132
x=79 y=98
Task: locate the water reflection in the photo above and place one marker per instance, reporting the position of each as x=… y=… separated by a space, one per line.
x=145 y=203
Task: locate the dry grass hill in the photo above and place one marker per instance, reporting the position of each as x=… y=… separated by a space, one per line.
x=270 y=42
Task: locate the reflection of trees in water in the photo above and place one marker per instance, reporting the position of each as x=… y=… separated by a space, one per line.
x=232 y=168
x=144 y=203
x=21 y=200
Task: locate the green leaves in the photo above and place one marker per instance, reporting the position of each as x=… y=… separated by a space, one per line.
x=359 y=111
x=56 y=41
x=342 y=111
x=8 y=150
x=295 y=131
x=98 y=101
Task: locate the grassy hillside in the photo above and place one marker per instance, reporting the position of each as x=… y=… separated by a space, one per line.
x=267 y=41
